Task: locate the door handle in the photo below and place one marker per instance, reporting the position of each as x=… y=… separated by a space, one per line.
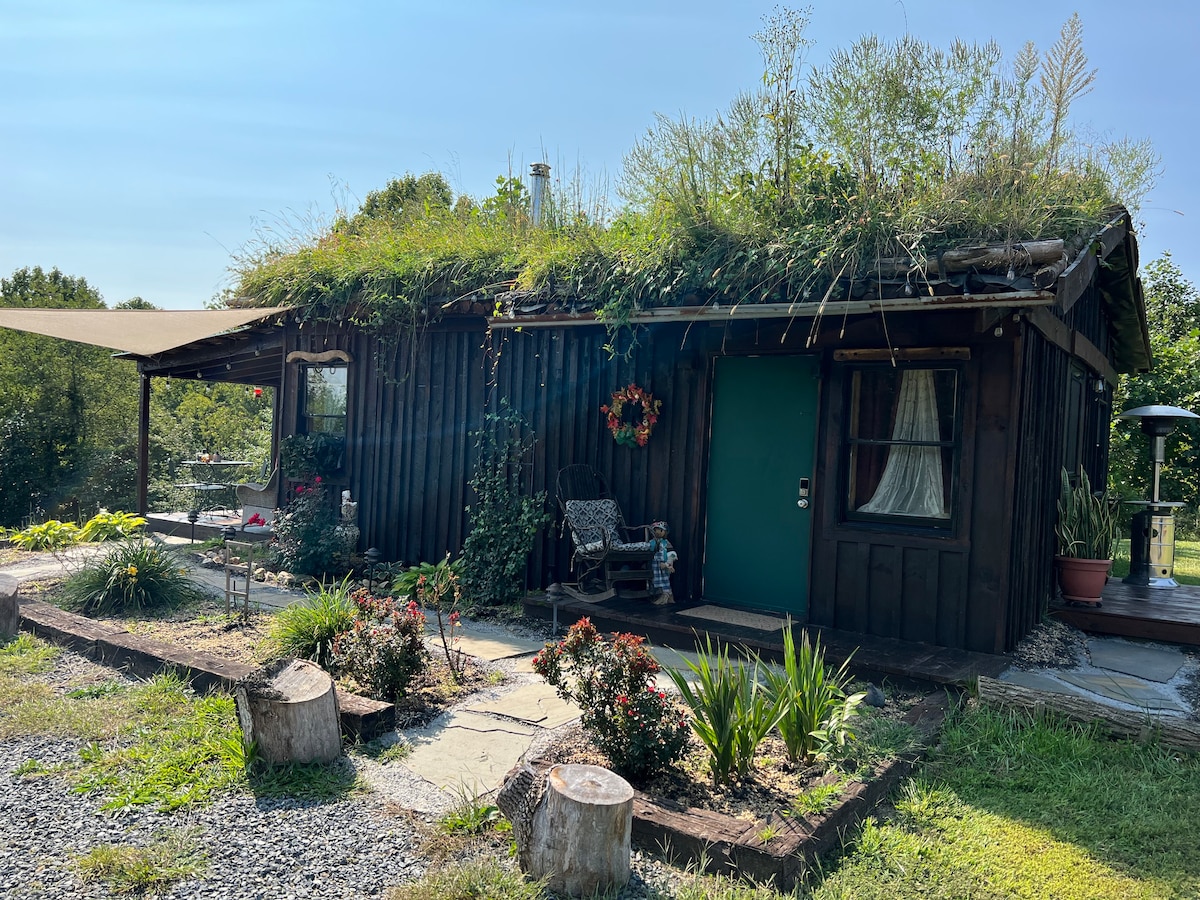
x=802 y=503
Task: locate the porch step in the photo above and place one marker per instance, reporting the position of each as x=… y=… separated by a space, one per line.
x=871 y=657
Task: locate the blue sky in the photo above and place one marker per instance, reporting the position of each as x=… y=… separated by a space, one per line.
x=143 y=143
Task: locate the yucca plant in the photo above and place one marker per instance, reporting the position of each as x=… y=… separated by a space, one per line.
x=731 y=710
x=815 y=709
x=134 y=575
x=1087 y=520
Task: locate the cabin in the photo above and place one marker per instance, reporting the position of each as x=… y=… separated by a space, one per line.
x=881 y=458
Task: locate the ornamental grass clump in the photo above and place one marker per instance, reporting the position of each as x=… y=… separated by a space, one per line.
x=135 y=575
x=639 y=729
x=307 y=629
x=384 y=648
x=732 y=711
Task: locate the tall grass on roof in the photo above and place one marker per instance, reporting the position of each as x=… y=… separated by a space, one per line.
x=892 y=149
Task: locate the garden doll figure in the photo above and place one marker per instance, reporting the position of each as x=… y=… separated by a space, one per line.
x=663 y=565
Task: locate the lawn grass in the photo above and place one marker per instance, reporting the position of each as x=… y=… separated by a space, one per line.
x=1011 y=805
x=152 y=743
x=1187 y=561
x=174 y=855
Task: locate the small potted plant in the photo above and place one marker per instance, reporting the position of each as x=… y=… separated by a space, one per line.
x=1087 y=533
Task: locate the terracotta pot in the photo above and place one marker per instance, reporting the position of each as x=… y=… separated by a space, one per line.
x=1082 y=580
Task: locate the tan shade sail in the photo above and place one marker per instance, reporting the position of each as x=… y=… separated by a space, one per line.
x=142 y=332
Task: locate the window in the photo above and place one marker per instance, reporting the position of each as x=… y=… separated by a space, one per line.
x=902 y=437
x=324 y=409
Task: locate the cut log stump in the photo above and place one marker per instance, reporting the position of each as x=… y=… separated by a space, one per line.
x=292 y=715
x=10 y=610
x=579 y=835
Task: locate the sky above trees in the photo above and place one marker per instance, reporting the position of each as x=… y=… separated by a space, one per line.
x=144 y=143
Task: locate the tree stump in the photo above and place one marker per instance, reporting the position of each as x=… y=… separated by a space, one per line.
x=579 y=834
x=293 y=715
x=10 y=611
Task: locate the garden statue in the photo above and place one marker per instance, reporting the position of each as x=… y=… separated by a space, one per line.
x=663 y=564
x=346 y=532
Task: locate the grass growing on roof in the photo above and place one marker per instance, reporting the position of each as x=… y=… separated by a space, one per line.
x=891 y=149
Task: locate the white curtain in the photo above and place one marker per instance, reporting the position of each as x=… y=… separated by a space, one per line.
x=912 y=477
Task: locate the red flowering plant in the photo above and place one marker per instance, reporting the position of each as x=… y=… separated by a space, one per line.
x=641 y=730
x=304 y=532
x=256 y=519
x=385 y=647
x=627 y=433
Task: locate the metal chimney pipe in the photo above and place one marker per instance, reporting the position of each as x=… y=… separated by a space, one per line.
x=539 y=176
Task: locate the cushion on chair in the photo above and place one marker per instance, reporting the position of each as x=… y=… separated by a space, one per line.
x=593 y=523
x=594 y=526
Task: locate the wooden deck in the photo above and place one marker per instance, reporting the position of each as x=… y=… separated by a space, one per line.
x=873 y=657
x=209 y=525
x=1171 y=615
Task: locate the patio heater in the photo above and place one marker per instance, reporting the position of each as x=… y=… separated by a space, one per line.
x=1152 y=533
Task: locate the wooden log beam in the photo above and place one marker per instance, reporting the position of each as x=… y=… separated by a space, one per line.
x=1120 y=722
x=992 y=256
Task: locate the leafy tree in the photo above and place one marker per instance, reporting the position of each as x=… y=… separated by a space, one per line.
x=68 y=412
x=1173 y=316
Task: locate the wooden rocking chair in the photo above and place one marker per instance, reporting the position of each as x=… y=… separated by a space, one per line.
x=605 y=548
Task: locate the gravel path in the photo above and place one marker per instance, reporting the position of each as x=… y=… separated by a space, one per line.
x=255 y=848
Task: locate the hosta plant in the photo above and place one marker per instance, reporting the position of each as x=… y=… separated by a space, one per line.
x=51 y=535
x=110 y=526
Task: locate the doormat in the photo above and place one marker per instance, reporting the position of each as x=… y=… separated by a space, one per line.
x=729 y=616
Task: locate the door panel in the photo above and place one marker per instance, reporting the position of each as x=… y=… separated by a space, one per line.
x=757 y=538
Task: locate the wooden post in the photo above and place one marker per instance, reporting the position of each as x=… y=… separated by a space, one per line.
x=579 y=839
x=293 y=716
x=10 y=611
x=143 y=473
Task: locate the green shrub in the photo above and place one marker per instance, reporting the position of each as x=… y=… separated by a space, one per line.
x=815 y=710
x=308 y=629
x=384 y=648
x=52 y=535
x=731 y=710
x=503 y=521
x=134 y=575
x=639 y=729
x=304 y=532
x=106 y=526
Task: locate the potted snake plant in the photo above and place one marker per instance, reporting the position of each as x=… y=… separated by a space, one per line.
x=1087 y=533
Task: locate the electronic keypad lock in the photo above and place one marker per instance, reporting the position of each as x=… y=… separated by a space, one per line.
x=802 y=502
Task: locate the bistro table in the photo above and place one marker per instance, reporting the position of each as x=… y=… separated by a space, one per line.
x=212 y=482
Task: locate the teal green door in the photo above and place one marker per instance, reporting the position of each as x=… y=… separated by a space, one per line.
x=757 y=536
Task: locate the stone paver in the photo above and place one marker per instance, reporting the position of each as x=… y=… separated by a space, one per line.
x=1125 y=689
x=467 y=751
x=1151 y=663
x=535 y=703
x=492 y=646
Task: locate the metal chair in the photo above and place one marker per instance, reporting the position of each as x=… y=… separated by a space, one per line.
x=605 y=548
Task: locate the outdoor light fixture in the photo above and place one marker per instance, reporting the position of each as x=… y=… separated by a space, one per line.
x=1152 y=532
x=372 y=558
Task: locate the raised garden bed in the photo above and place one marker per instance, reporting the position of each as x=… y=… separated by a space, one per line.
x=720 y=843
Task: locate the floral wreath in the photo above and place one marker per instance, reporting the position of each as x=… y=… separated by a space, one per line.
x=625 y=433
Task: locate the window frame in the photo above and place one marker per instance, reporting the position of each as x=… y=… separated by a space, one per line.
x=849 y=443
x=305 y=416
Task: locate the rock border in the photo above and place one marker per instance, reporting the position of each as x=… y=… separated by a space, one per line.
x=361 y=717
x=720 y=844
